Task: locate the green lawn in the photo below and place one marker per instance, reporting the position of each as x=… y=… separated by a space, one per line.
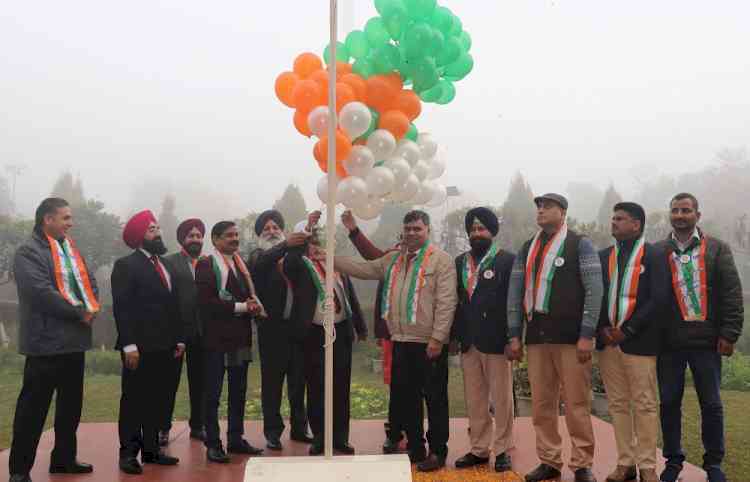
x=369 y=400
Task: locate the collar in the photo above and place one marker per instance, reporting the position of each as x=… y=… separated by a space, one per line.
x=147 y=254
x=627 y=244
x=697 y=235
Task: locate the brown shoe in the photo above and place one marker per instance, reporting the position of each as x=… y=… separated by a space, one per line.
x=623 y=473
x=649 y=475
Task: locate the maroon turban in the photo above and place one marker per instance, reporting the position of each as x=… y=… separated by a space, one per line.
x=186 y=226
x=136 y=228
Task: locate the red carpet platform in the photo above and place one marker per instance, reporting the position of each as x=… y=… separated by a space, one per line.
x=98 y=445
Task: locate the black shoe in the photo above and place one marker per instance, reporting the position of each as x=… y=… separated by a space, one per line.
x=20 y=478
x=417 y=455
x=432 y=463
x=584 y=475
x=543 y=472
x=470 y=460
x=316 y=449
x=163 y=438
x=503 y=463
x=198 y=435
x=301 y=437
x=242 y=447
x=391 y=446
x=159 y=458
x=715 y=474
x=217 y=454
x=344 y=448
x=73 y=468
x=274 y=444
x=671 y=472
x=131 y=466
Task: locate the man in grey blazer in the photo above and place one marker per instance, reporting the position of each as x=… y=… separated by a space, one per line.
x=190 y=236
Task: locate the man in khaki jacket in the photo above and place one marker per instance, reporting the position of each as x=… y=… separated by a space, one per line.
x=419 y=300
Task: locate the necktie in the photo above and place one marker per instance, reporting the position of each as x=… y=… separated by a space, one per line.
x=160 y=270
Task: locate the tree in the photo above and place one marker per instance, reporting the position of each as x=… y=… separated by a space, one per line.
x=97 y=234
x=12 y=233
x=291 y=205
x=246 y=226
x=389 y=227
x=168 y=222
x=6 y=203
x=584 y=198
x=454 y=239
x=611 y=197
x=69 y=189
x=518 y=215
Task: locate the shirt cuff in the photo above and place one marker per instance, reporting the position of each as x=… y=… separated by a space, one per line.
x=129 y=348
x=240 y=307
x=587 y=331
x=181 y=344
x=515 y=332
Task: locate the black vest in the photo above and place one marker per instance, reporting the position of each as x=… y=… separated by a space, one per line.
x=562 y=325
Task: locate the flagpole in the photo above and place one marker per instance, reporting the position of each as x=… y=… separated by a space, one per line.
x=330 y=233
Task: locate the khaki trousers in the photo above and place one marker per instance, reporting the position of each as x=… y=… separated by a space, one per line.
x=552 y=368
x=631 y=386
x=488 y=376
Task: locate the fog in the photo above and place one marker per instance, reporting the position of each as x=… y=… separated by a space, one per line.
x=179 y=94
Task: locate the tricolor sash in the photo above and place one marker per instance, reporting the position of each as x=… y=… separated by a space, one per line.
x=538 y=285
x=471 y=270
x=71 y=273
x=221 y=268
x=689 y=281
x=416 y=283
x=621 y=297
x=318 y=275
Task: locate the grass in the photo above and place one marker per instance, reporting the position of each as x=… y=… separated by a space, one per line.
x=369 y=400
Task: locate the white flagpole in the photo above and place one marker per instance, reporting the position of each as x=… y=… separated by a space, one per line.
x=330 y=234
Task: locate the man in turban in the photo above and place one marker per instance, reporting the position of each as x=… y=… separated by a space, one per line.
x=281 y=355
x=150 y=336
x=190 y=235
x=481 y=326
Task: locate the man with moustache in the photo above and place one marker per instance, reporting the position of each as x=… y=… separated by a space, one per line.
x=705 y=314
x=227 y=304
x=481 y=328
x=556 y=288
x=150 y=335
x=190 y=235
x=630 y=332
x=280 y=351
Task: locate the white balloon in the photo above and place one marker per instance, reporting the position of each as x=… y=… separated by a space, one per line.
x=440 y=194
x=409 y=150
x=427 y=145
x=406 y=191
x=322 y=188
x=436 y=167
x=351 y=191
x=317 y=120
x=370 y=209
x=382 y=143
x=359 y=162
x=379 y=181
x=400 y=169
x=421 y=170
x=355 y=119
x=425 y=193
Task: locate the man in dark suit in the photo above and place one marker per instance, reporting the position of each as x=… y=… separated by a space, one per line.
x=280 y=354
x=304 y=266
x=481 y=328
x=190 y=236
x=150 y=335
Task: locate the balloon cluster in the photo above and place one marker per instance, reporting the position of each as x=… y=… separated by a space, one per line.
x=381 y=156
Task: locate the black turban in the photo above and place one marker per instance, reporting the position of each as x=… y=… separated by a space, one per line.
x=186 y=226
x=265 y=216
x=485 y=216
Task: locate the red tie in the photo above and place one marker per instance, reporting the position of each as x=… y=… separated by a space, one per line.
x=160 y=270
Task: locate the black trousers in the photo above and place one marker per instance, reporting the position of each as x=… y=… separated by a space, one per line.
x=144 y=402
x=415 y=376
x=43 y=375
x=315 y=380
x=214 y=368
x=281 y=357
x=194 y=361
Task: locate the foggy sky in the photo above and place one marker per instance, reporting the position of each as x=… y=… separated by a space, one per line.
x=182 y=90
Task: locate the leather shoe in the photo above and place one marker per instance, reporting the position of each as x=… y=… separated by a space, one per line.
x=432 y=463
x=163 y=438
x=417 y=455
x=301 y=437
x=75 y=467
x=20 y=478
x=131 y=466
x=470 y=460
x=344 y=448
x=543 y=472
x=242 y=447
x=391 y=446
x=198 y=435
x=159 y=458
x=584 y=475
x=217 y=454
x=503 y=463
x=274 y=444
x=671 y=472
x=316 y=449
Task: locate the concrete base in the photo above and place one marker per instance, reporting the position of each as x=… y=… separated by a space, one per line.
x=359 y=468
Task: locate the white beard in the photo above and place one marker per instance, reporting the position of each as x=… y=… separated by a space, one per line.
x=266 y=243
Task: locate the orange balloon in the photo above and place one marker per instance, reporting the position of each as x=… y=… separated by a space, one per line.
x=343 y=146
x=395 y=122
x=300 y=122
x=319 y=157
x=394 y=78
x=344 y=95
x=285 y=83
x=306 y=95
x=307 y=63
x=358 y=84
x=408 y=102
x=321 y=77
x=380 y=93
x=343 y=68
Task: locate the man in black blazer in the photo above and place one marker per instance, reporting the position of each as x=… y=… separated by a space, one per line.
x=304 y=267
x=150 y=335
x=481 y=328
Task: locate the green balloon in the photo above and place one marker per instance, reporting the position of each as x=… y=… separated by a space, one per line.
x=376 y=32
x=460 y=68
x=373 y=124
x=425 y=73
x=395 y=18
x=450 y=52
x=420 y=9
x=382 y=5
x=432 y=94
x=363 y=67
x=448 y=94
x=457 y=26
x=437 y=42
x=412 y=133
x=356 y=43
x=465 y=40
x=342 y=53
x=417 y=41
x=386 y=58
x=442 y=19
